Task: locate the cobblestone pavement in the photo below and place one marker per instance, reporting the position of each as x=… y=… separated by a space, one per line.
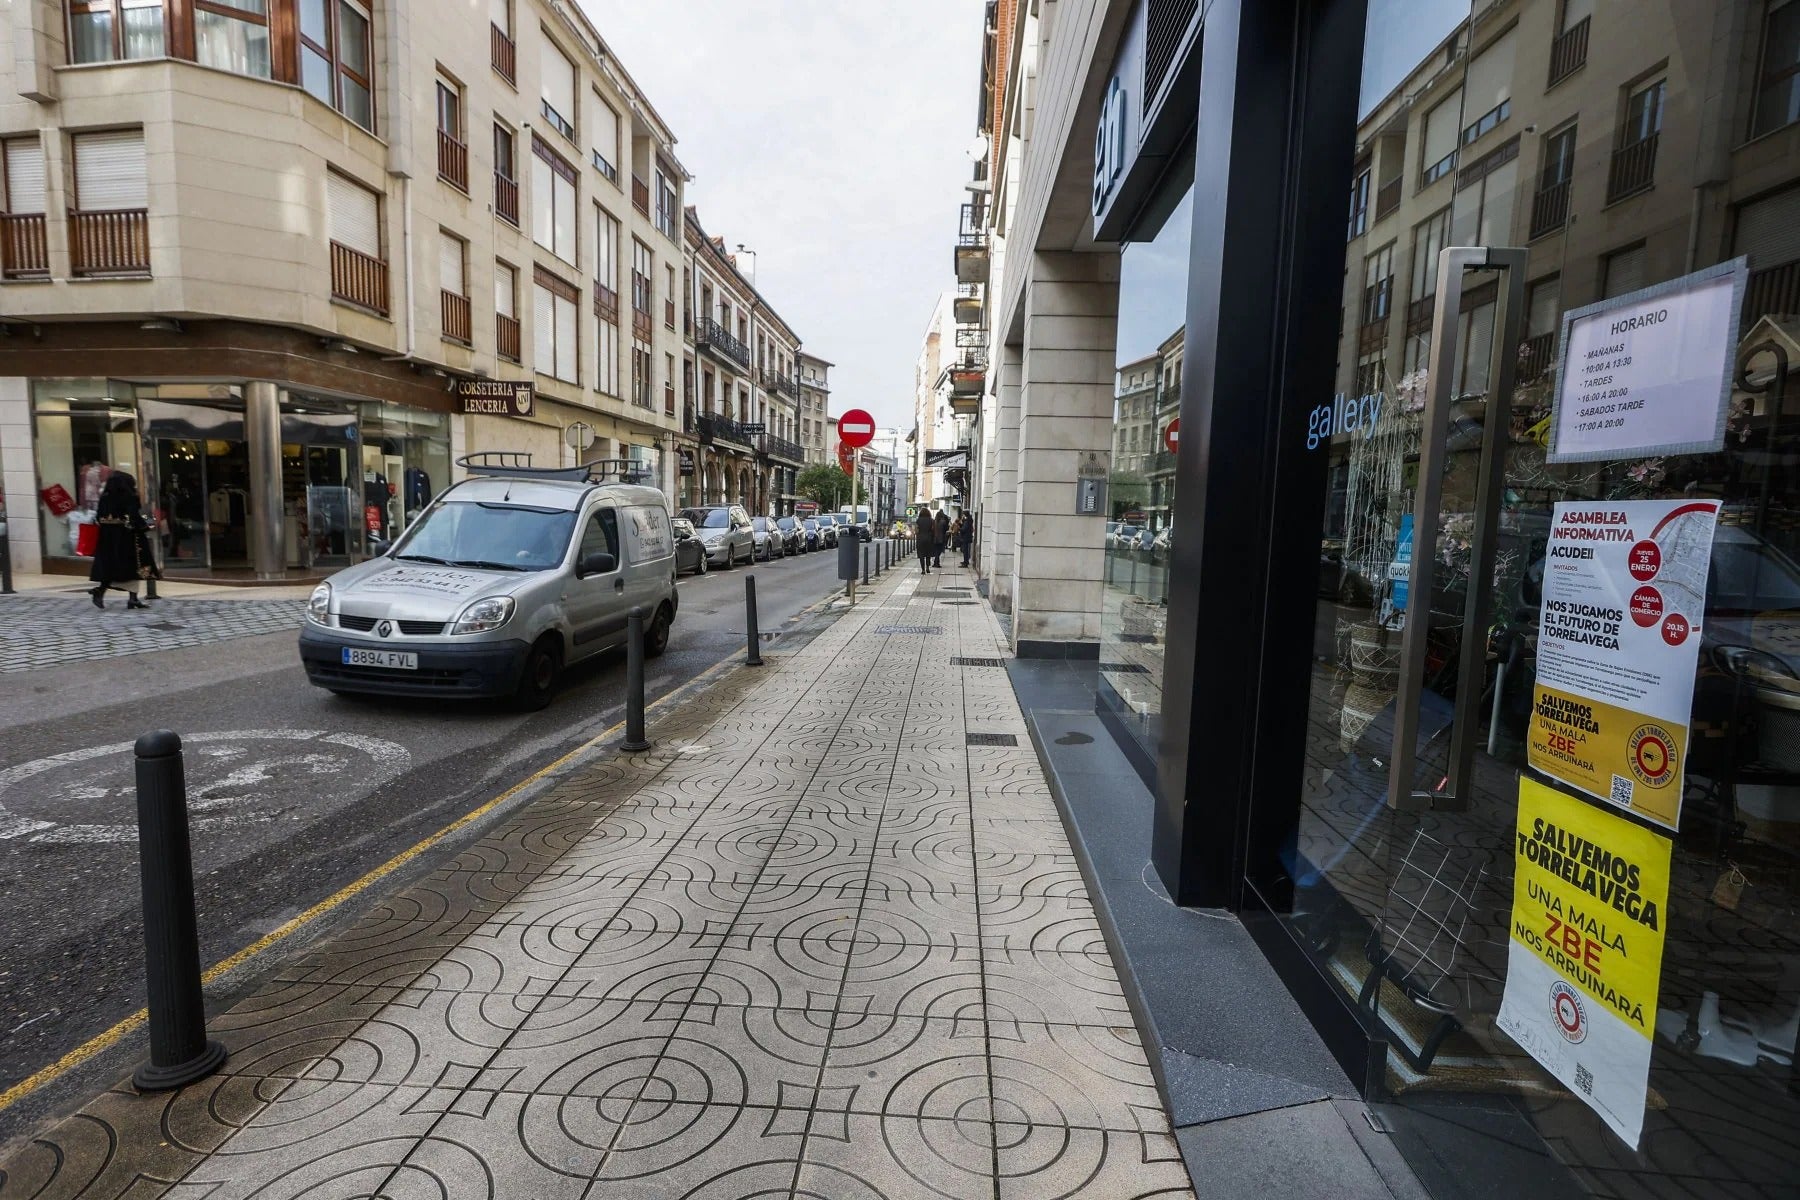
x=827 y=940
x=39 y=630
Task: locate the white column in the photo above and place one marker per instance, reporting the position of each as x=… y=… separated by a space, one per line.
x=18 y=475
x=1065 y=412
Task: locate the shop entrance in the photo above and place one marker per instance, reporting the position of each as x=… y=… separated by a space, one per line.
x=205 y=501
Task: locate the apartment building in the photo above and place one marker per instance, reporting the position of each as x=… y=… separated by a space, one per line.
x=941 y=418
x=817 y=444
x=745 y=418
x=286 y=262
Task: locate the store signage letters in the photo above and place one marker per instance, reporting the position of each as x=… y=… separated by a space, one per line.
x=496 y=397
x=1109 y=145
x=1344 y=414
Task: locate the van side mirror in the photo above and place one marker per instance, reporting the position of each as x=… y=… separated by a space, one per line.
x=596 y=562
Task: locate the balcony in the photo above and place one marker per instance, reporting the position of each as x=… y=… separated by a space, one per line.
x=1550 y=208
x=506 y=337
x=359 y=279
x=967 y=307
x=114 y=242
x=775 y=381
x=24 y=252
x=1537 y=356
x=454 y=311
x=1568 y=52
x=780 y=449
x=714 y=429
x=453 y=161
x=1633 y=169
x=717 y=338
x=506 y=198
x=1387 y=199
x=504 y=53
x=972 y=244
x=1773 y=291
x=640 y=195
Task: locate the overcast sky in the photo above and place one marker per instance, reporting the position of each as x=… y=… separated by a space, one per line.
x=830 y=138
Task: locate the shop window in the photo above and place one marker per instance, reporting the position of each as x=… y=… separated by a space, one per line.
x=553 y=201
x=557 y=74
x=1778 y=82
x=554 y=328
x=233 y=35
x=109 y=30
x=335 y=60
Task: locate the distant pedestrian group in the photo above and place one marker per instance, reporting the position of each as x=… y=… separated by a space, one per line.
x=934 y=532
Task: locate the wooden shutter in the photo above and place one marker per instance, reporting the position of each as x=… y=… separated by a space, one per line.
x=450 y=265
x=354 y=215
x=506 y=285
x=1442 y=126
x=1768 y=230
x=109 y=171
x=1625 y=271
x=558 y=81
x=1490 y=76
x=24 y=176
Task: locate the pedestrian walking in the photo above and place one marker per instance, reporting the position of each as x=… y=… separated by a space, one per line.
x=943 y=537
x=120 y=558
x=965 y=535
x=924 y=538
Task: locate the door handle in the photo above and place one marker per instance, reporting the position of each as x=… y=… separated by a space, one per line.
x=1453 y=792
x=618 y=585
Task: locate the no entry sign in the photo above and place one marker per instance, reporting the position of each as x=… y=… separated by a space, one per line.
x=1172 y=436
x=856 y=428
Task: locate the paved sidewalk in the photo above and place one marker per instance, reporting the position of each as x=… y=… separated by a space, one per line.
x=827 y=940
x=46 y=629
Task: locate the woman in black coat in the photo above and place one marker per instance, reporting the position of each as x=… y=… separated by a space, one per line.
x=925 y=538
x=119 y=559
x=942 y=539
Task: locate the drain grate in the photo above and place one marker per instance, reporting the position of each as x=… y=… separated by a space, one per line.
x=1125 y=668
x=953 y=589
x=959 y=603
x=1143 y=638
x=909 y=629
x=963 y=661
x=992 y=739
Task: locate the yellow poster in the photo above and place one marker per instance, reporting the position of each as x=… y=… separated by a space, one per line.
x=1619 y=638
x=1590 y=898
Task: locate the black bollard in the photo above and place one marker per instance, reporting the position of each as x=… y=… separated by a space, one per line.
x=634 y=683
x=6 y=584
x=754 y=657
x=865 y=566
x=179 y=1050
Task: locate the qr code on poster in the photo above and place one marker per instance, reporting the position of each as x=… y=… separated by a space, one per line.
x=1621 y=791
x=1584 y=1079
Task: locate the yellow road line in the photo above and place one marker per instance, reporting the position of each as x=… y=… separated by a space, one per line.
x=135 y=1021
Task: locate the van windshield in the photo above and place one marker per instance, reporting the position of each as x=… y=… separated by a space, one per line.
x=500 y=537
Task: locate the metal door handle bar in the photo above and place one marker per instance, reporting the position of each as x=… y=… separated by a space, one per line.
x=1427 y=507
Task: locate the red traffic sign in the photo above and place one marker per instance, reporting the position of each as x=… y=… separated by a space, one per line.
x=847 y=457
x=857 y=428
x=1172 y=435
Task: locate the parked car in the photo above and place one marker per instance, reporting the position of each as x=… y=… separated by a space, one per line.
x=1162 y=544
x=814 y=533
x=1122 y=538
x=725 y=532
x=690 y=551
x=495 y=588
x=767 y=538
x=793 y=537
x=828 y=529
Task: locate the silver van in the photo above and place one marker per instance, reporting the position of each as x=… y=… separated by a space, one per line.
x=506 y=578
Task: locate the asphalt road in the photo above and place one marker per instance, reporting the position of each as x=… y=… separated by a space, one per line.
x=293 y=793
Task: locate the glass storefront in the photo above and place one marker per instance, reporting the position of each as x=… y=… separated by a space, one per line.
x=353 y=473
x=1594 y=841
x=1140 y=530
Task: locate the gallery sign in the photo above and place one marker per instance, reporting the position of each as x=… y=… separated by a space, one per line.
x=1584 y=960
x=1619 y=635
x=496 y=397
x=1649 y=372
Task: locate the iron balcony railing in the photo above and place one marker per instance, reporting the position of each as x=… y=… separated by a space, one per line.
x=1387 y=198
x=1568 y=52
x=1550 y=208
x=971 y=227
x=714 y=428
x=771 y=446
x=775 y=381
x=1633 y=169
x=715 y=335
x=114 y=242
x=24 y=250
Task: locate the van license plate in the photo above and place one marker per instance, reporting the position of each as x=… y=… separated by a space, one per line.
x=393 y=660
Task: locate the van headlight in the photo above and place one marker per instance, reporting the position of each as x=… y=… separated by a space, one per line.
x=318 y=605
x=484 y=615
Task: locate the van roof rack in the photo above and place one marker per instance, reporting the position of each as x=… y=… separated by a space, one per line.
x=516 y=464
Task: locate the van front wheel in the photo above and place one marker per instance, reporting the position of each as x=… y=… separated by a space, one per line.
x=537 y=682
